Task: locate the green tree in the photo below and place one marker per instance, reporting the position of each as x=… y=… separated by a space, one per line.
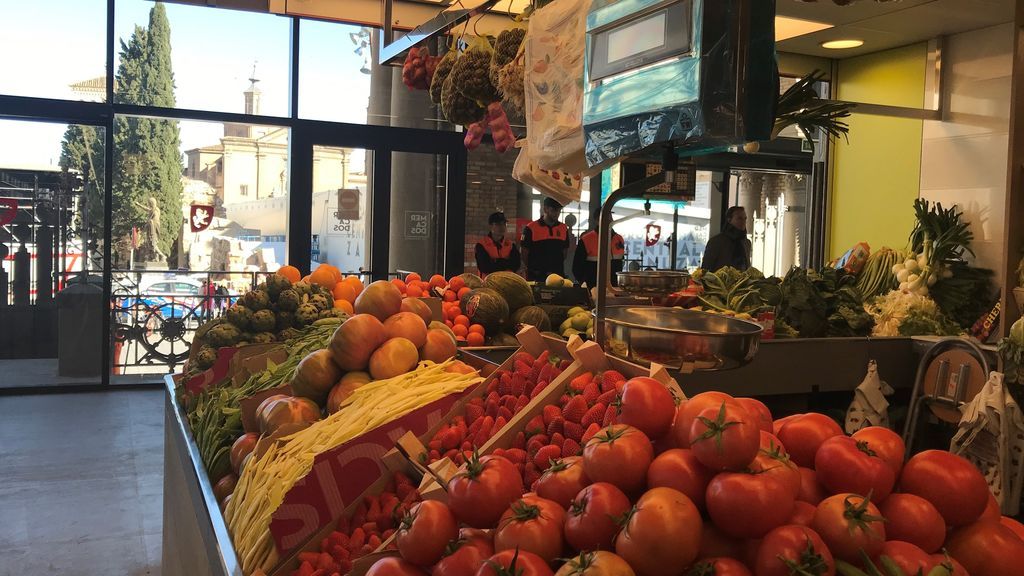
x=146 y=162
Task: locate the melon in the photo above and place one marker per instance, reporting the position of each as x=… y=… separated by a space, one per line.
x=381 y=299
x=355 y=340
x=345 y=387
x=435 y=325
x=440 y=346
x=486 y=307
x=512 y=287
x=503 y=339
x=472 y=281
x=419 y=307
x=394 y=357
x=532 y=315
x=406 y=325
x=315 y=375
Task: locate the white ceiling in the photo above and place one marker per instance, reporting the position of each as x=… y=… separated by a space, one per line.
x=883 y=25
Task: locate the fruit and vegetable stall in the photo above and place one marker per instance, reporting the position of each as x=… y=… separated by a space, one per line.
x=366 y=437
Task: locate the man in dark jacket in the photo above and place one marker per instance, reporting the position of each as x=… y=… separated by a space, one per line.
x=495 y=251
x=731 y=247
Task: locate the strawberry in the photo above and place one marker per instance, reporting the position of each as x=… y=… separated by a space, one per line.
x=491 y=409
x=500 y=423
x=544 y=456
x=591 y=393
x=520 y=441
x=516 y=455
x=546 y=372
x=593 y=416
x=610 y=415
x=535 y=444
x=571 y=448
x=435 y=444
x=564 y=365
x=544 y=358
x=492 y=385
x=505 y=413
x=563 y=399
x=607 y=397
x=539 y=388
x=557 y=439
x=573 y=430
x=531 y=475
x=433 y=456
x=575 y=409
x=450 y=439
x=521 y=403
x=580 y=382
x=494 y=397
x=504 y=383
x=535 y=425
x=519 y=384
x=474 y=412
x=524 y=357
x=509 y=402
x=466 y=445
x=523 y=369
x=556 y=426
x=613 y=376
x=475 y=426
x=550 y=413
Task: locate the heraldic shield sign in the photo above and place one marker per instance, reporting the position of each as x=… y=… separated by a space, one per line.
x=200 y=216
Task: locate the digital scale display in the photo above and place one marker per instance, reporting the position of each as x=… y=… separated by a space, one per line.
x=646 y=37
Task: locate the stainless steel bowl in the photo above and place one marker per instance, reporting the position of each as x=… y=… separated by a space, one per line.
x=679 y=338
x=653 y=281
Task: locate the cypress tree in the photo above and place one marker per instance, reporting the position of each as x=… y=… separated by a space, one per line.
x=147 y=161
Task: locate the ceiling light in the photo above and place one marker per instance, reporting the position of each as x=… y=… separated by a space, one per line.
x=842 y=44
x=786 y=27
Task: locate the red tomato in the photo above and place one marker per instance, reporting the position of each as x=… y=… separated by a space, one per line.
x=810 y=489
x=778 y=423
x=987 y=548
x=517 y=562
x=803 y=514
x=955 y=568
x=758 y=411
x=465 y=556
x=688 y=410
x=715 y=543
x=392 y=566
x=886 y=443
x=776 y=463
x=599 y=563
x=748 y=505
x=662 y=534
x=992 y=510
x=770 y=441
x=425 y=531
x=844 y=464
x=804 y=433
x=913 y=519
x=725 y=437
x=562 y=481
x=482 y=490
x=1014 y=526
x=679 y=469
x=908 y=557
x=719 y=567
x=620 y=455
x=591 y=521
x=952 y=484
x=532 y=524
x=849 y=523
x=647 y=405
x=793 y=549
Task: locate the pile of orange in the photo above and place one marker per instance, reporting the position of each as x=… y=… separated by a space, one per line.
x=345 y=291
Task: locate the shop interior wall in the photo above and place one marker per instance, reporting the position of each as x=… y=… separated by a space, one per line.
x=799 y=65
x=491 y=188
x=964 y=156
x=876 y=177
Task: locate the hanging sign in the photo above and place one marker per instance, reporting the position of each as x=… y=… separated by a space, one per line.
x=199 y=217
x=8 y=209
x=348 y=204
x=653 y=234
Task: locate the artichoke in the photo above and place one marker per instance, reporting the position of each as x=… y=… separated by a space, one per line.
x=321 y=302
x=306 y=315
x=263 y=321
x=276 y=284
x=205 y=357
x=256 y=300
x=302 y=288
x=288 y=300
x=263 y=338
x=223 y=335
x=239 y=316
x=288 y=334
x=285 y=319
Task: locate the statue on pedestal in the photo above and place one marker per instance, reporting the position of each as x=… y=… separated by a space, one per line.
x=149 y=249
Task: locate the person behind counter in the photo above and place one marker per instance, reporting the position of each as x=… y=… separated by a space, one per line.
x=731 y=247
x=495 y=252
x=545 y=243
x=584 y=265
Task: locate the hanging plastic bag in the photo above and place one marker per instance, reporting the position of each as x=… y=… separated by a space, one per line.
x=555 y=50
x=869 y=406
x=991 y=436
x=560 y=186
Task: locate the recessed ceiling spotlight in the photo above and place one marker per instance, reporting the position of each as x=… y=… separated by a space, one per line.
x=842 y=44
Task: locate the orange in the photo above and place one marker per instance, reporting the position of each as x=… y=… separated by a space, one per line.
x=355 y=283
x=345 y=305
x=463 y=320
x=457 y=283
x=412 y=277
x=290 y=272
x=460 y=330
x=399 y=284
x=476 y=329
x=438 y=281
x=463 y=291
x=344 y=291
x=413 y=291
x=449 y=323
x=333 y=270
x=475 y=339
x=450 y=296
x=451 y=312
x=323 y=276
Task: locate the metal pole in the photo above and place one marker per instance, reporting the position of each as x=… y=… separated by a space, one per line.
x=675 y=236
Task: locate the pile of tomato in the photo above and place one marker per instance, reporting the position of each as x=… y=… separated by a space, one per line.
x=714 y=486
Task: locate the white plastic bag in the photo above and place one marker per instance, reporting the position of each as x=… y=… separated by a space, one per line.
x=561 y=186
x=991 y=435
x=555 y=49
x=869 y=406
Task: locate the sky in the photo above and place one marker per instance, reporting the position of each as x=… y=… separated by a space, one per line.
x=59 y=42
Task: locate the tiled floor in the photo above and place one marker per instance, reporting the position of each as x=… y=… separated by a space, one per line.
x=81 y=483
